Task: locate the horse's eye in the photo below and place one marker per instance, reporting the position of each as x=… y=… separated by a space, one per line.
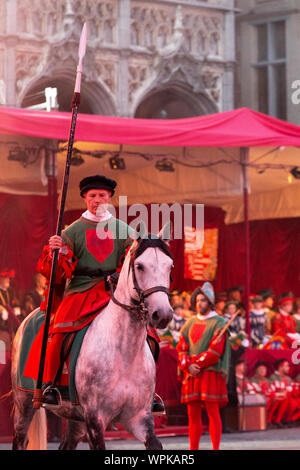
x=140 y=267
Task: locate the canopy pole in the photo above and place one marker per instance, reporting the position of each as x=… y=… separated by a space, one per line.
x=244 y=154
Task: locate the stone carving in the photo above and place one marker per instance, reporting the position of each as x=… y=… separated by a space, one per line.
x=160 y=26
x=106 y=72
x=28 y=66
x=151 y=25
x=137 y=77
x=47 y=18
x=211 y=77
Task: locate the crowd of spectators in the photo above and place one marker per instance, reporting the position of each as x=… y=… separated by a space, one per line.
x=274 y=323
x=277 y=390
x=14 y=307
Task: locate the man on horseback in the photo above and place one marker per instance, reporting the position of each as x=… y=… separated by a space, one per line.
x=91 y=249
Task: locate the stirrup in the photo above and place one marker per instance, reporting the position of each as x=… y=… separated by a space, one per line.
x=55 y=390
x=162 y=410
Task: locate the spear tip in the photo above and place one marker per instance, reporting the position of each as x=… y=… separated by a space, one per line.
x=82 y=44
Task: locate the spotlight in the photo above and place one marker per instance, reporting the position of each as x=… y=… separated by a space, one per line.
x=117 y=163
x=77 y=160
x=164 y=165
x=16 y=154
x=296 y=172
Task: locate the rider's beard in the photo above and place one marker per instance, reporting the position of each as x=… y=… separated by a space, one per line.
x=204 y=310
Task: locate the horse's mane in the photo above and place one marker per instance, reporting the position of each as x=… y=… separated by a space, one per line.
x=151 y=241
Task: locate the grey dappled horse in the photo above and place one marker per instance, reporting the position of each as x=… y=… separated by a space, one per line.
x=115 y=371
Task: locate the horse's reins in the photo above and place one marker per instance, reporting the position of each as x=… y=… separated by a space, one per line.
x=140 y=308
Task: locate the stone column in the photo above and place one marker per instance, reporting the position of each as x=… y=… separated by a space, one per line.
x=229 y=57
x=122 y=94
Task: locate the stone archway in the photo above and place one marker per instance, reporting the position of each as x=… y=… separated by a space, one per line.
x=94 y=99
x=174 y=101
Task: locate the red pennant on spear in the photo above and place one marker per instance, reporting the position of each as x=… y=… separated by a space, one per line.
x=38 y=394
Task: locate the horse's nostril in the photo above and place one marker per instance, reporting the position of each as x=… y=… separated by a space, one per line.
x=163 y=323
x=155 y=316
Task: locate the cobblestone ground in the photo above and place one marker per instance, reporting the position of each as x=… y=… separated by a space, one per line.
x=279 y=439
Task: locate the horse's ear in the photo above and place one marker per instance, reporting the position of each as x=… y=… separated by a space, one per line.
x=166 y=232
x=140 y=231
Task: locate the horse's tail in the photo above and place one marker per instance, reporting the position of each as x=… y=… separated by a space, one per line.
x=37 y=432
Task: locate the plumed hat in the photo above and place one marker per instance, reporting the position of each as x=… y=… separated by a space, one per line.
x=97 y=182
x=207 y=290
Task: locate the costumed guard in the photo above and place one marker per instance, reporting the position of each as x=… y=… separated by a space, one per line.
x=91 y=249
x=203 y=365
x=284 y=323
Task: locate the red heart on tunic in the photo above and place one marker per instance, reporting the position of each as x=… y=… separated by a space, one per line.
x=99 y=245
x=197 y=332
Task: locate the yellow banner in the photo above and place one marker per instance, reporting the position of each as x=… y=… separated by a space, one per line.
x=200 y=264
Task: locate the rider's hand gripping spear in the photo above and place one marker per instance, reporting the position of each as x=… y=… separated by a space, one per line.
x=38 y=394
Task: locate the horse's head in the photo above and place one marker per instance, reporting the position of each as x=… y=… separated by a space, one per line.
x=150 y=263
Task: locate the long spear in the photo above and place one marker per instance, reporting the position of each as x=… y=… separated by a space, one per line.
x=38 y=395
x=225 y=328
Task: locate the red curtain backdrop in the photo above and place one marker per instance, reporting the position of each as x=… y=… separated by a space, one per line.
x=275 y=247
x=24 y=230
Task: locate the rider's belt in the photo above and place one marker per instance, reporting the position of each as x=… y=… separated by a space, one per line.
x=95 y=273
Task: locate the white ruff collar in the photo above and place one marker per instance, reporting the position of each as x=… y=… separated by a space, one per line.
x=285 y=314
x=211 y=314
x=95 y=218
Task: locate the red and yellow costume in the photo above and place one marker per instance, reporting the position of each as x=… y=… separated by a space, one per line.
x=197 y=345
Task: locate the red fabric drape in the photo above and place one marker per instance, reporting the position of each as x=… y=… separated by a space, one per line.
x=236 y=128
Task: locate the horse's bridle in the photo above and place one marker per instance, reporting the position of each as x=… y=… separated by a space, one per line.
x=139 y=309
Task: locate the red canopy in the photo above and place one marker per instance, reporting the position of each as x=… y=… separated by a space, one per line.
x=238 y=128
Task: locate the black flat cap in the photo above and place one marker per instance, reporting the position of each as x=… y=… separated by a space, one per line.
x=97 y=182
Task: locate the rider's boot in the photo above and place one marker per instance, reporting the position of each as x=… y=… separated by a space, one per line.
x=50 y=394
x=158 y=407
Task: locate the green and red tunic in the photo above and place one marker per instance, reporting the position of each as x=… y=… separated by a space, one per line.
x=196 y=345
x=91 y=249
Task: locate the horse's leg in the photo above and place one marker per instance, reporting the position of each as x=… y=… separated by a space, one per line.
x=75 y=432
x=23 y=414
x=142 y=427
x=95 y=431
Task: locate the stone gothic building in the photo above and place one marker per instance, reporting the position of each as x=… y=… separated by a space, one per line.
x=147 y=59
